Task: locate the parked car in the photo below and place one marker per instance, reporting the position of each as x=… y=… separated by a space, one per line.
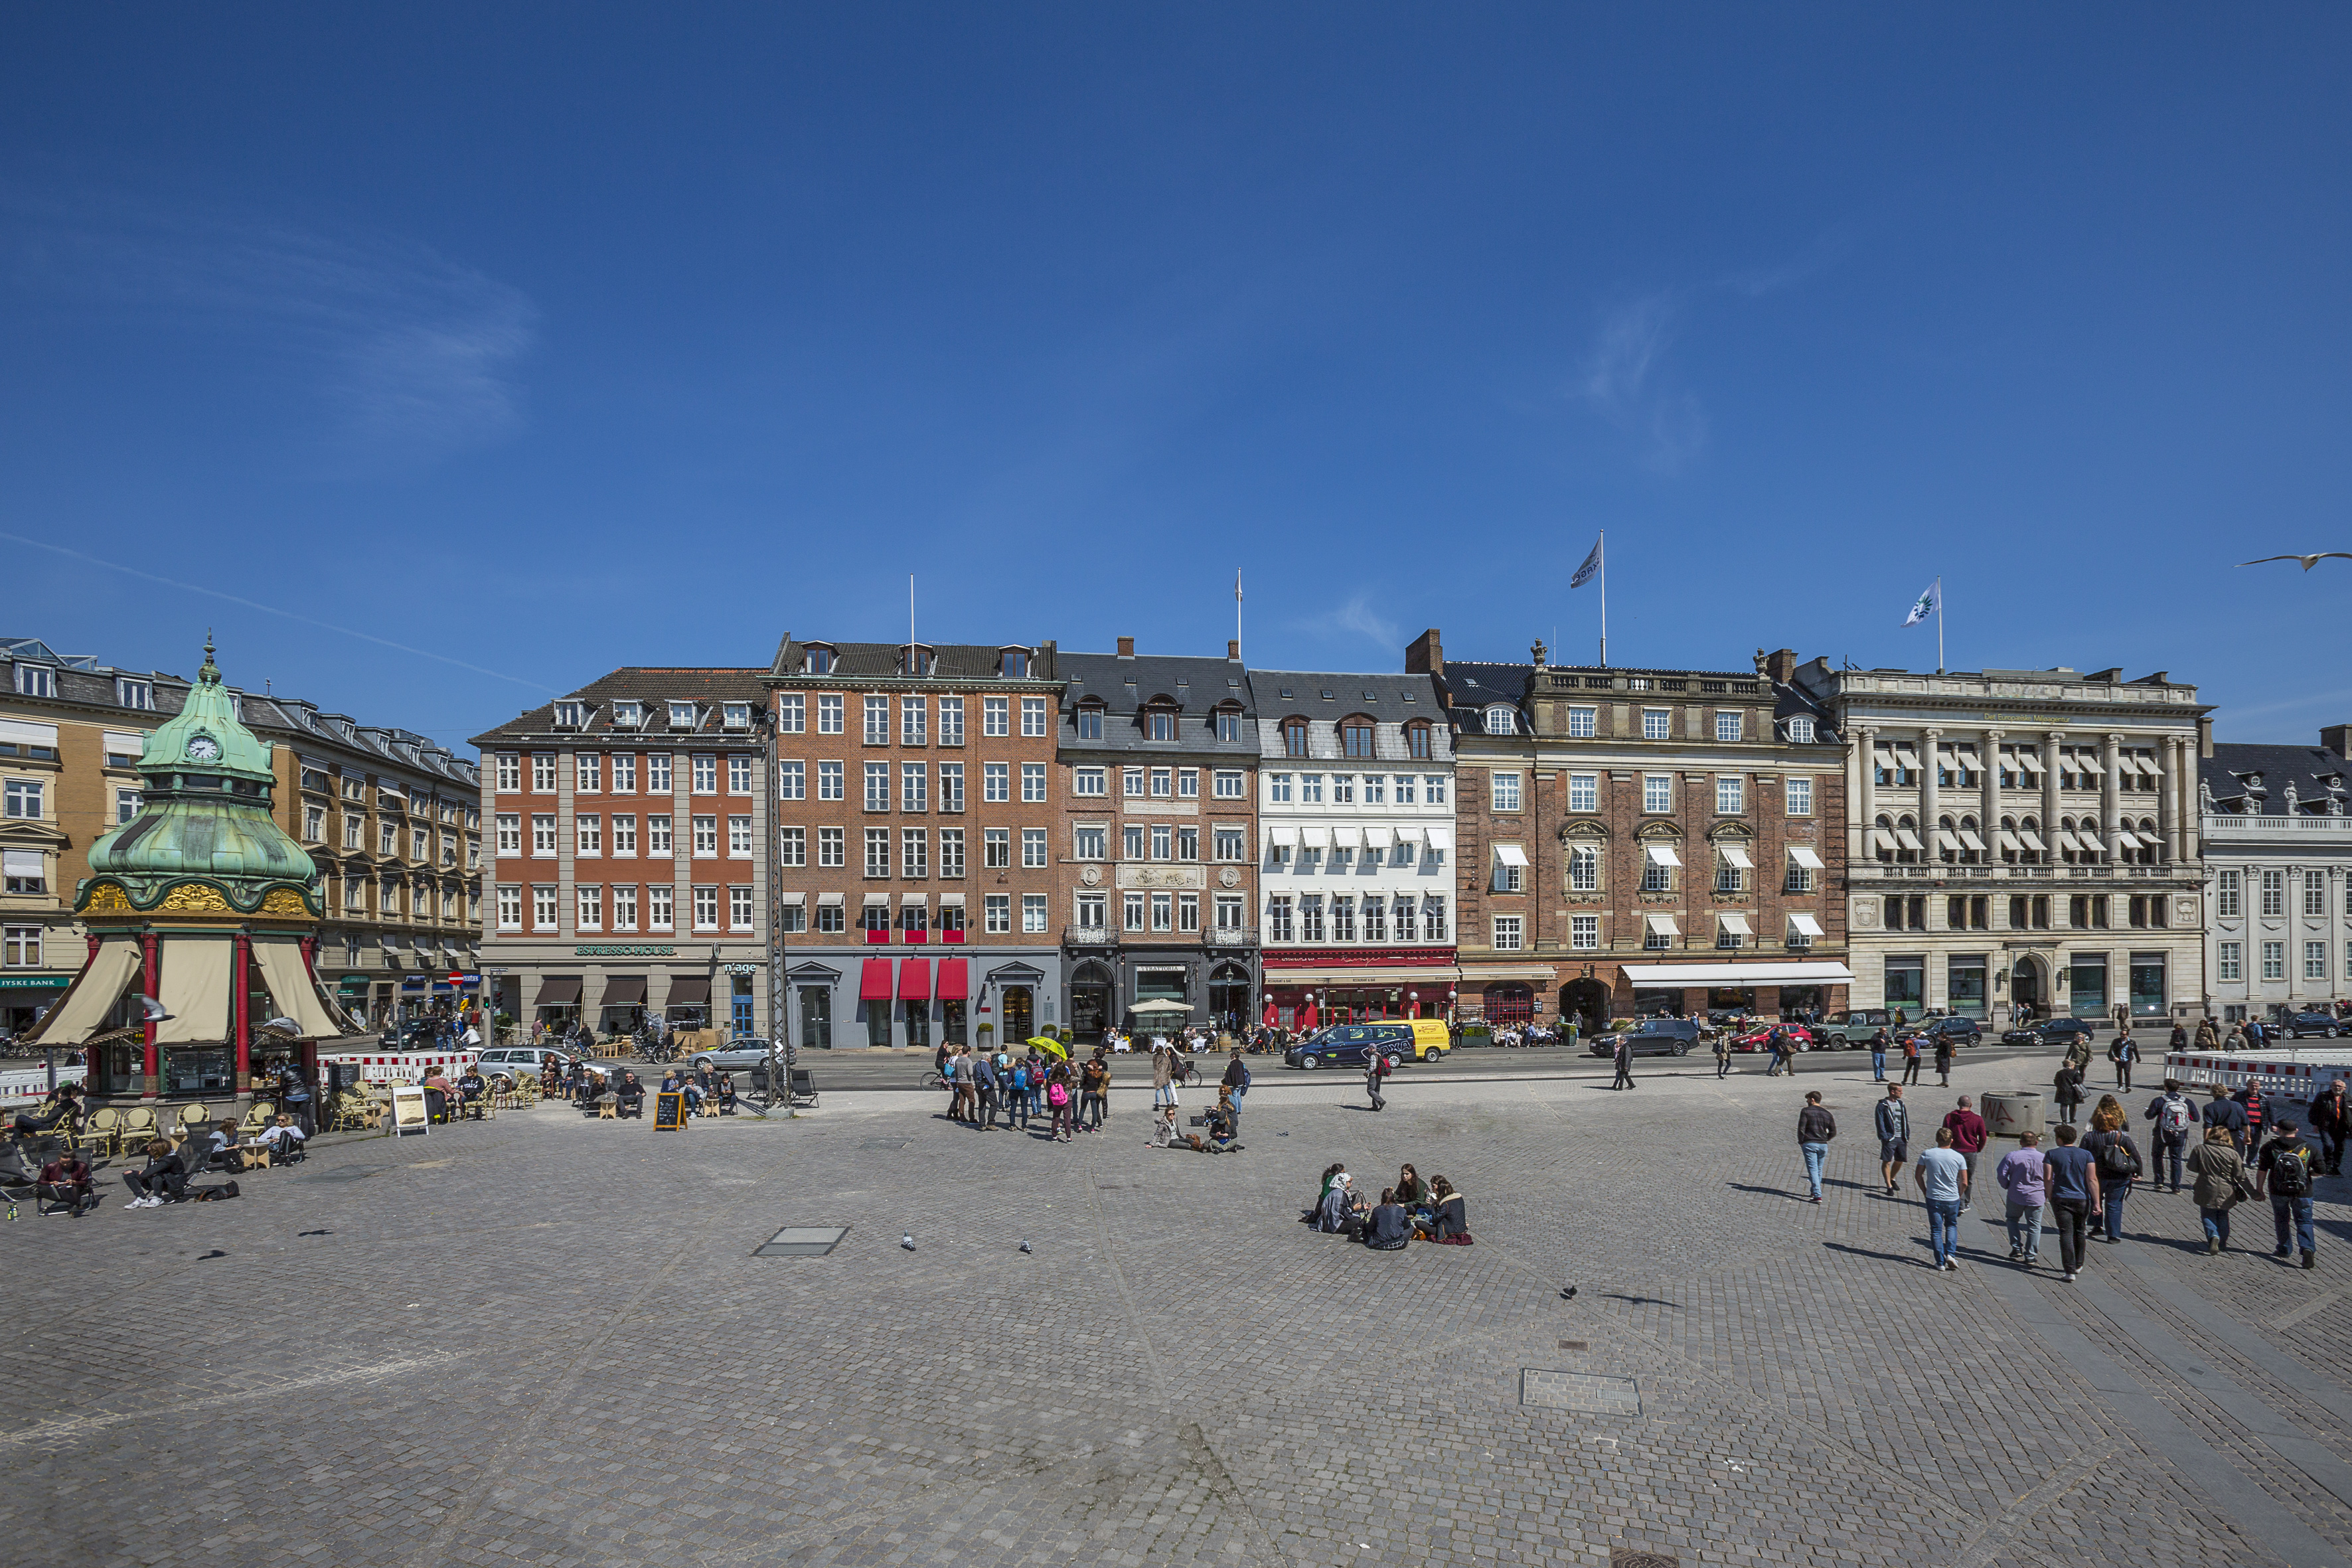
x=2051 y=1032
x=1653 y=1038
x=2297 y=1026
x=520 y=1061
x=1960 y=1031
x=733 y=1057
x=1353 y=1045
x=1760 y=1037
x=1852 y=1031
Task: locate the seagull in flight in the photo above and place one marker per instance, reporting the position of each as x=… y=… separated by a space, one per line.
x=2308 y=561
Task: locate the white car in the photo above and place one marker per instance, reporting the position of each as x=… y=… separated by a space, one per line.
x=520 y=1061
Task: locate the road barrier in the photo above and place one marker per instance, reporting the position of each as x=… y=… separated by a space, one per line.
x=2298 y=1075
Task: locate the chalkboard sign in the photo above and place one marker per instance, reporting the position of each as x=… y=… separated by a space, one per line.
x=669 y=1110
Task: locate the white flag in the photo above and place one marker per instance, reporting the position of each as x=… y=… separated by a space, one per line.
x=1591 y=564
x=1927 y=603
x=1237 y=588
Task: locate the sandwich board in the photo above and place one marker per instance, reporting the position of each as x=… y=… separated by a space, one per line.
x=669 y=1110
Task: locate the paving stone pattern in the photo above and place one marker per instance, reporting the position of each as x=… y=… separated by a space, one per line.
x=544 y=1340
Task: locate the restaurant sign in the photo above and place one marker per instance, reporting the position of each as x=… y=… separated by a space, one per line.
x=622 y=950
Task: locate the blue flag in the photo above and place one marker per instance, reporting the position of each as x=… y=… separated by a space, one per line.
x=1591 y=564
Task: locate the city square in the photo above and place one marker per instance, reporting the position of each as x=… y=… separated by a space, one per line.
x=545 y=1340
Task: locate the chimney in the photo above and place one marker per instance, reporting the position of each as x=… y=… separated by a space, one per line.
x=2337 y=738
x=1424 y=656
x=2205 y=736
x=1127 y=647
x=1234 y=650
x=1781 y=666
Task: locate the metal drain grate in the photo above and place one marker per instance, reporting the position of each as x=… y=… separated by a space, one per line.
x=1630 y=1557
x=1578 y=1391
x=801 y=1241
x=1574 y=1345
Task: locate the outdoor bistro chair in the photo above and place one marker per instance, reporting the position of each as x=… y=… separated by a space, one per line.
x=105 y=1130
x=137 y=1127
x=259 y=1117
x=195 y=1118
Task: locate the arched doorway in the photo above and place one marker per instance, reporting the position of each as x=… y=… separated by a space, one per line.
x=2027 y=999
x=1090 y=988
x=1587 y=1002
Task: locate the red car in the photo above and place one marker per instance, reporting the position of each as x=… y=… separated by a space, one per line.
x=1760 y=1038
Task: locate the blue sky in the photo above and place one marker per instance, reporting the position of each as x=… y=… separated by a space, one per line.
x=549 y=339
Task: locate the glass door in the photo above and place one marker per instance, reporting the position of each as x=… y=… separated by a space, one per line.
x=816 y=1018
x=1020 y=1017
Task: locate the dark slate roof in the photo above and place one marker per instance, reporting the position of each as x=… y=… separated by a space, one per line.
x=1473 y=688
x=656 y=689
x=1388 y=698
x=880 y=661
x=2309 y=767
x=1198 y=686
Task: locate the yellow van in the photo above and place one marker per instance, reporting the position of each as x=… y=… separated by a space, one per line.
x=1416 y=1039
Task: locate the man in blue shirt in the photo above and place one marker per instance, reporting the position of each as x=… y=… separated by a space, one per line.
x=1942 y=1177
x=2072 y=1179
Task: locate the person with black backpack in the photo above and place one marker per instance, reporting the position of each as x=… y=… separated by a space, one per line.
x=2119 y=1163
x=2284 y=1173
x=2175 y=1119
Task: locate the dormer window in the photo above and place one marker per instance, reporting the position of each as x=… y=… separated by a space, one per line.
x=567 y=715
x=628 y=715
x=138 y=694
x=1229 y=725
x=737 y=715
x=1800 y=730
x=681 y=715
x=1499 y=719
x=1160 y=724
x=1013 y=664
x=819 y=661
x=1090 y=721
x=1416 y=739
x=1356 y=736
x=916 y=660
x=1294 y=737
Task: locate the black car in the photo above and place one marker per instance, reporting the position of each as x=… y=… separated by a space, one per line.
x=1351 y=1046
x=1960 y=1031
x=2296 y=1026
x=1653 y=1038
x=2051 y=1032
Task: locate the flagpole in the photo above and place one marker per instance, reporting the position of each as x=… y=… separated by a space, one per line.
x=1939 y=625
x=1603 y=545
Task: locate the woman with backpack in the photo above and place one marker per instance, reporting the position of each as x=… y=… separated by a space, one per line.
x=1058 y=1100
x=2118 y=1157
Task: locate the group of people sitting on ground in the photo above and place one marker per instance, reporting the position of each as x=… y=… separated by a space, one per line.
x=1413 y=1210
x=1220 y=1128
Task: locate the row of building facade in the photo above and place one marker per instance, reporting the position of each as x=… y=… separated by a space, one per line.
x=878 y=844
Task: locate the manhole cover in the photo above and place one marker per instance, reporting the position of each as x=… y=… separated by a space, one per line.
x=1578 y=1391
x=1574 y=1345
x=801 y=1241
x=1627 y=1557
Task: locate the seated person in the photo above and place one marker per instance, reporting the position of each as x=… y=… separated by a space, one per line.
x=166 y=1175
x=220 y=1147
x=1412 y=1194
x=1163 y=1131
x=283 y=1140
x=436 y=1102
x=693 y=1092
x=726 y=1094
x=632 y=1096
x=1452 y=1225
x=1344 y=1209
x=62 y=1105
x=472 y=1086
x=1388 y=1229
x=1224 y=1125
x=66 y=1179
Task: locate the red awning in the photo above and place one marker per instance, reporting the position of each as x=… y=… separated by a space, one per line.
x=874 y=986
x=914 y=980
x=953 y=986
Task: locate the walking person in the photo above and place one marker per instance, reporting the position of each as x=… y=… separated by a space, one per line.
x=2066 y=1087
x=1878 y=1044
x=2283 y=1174
x=1943 y=1061
x=2123 y=1052
x=1968 y=1130
x=1815 y=1128
x=2331 y=1121
x=1942 y=1178
x=1774 y=1044
x=1237 y=1075
x=1723 y=1053
x=2020 y=1176
x=2172 y=1119
x=1376 y=1068
x=1892 y=1120
x=2072 y=1177
x=2220 y=1110
x=1911 y=1059
x=2119 y=1163
x=1094 y=1092
x=2222 y=1183
x=1624 y=1061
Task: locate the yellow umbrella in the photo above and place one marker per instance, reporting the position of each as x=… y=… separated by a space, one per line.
x=1047 y=1043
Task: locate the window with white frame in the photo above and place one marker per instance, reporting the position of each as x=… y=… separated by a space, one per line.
x=1279 y=920
x=1584 y=792
x=509 y=769
x=1657 y=723
x=591 y=907
x=588 y=835
x=995 y=782
x=995 y=716
x=2227 y=889
x=877 y=786
x=33 y=680
x=1729 y=876
x=314 y=824
x=21 y=797
x=1507 y=792
x=1277 y=789
x=1583 y=723
x=1507 y=933
x=1510 y=868
x=1089 y=843
x=509 y=906
x=1032 y=847
x=792 y=781
x=1228 y=843
x=543 y=906
x=792 y=713
x=706 y=909
x=706 y=774
x=542 y=772
x=2315 y=961
x=913 y=720
x=1033 y=912
x=543 y=834
x=792 y=846
x=1801 y=876
x=996 y=848
x=996 y=914
x=1226 y=785
x=952 y=852
x=587 y=772
x=2274 y=960
x=1310 y=917
x=1730 y=794
x=950 y=786
x=1088 y=781
x=1726 y=727
x=2231 y=960
x=658 y=835
x=657 y=781
x=738 y=837
x=738 y=772
x=829 y=780
x=1584 y=868
x=831 y=847
x=877 y=720
x=706 y=837
x=624 y=773
x=2274 y=885
x=878 y=851
x=1500 y=719
x=1584 y=933
x=2315 y=896
x=660 y=905
x=624 y=906
x=1800 y=730
x=126 y=806
x=1034 y=723
x=1033 y=782
x=950 y=720
x=739 y=907
x=829 y=715
x=1657 y=792
x=913 y=791
x=682 y=716
x=1432 y=790
x=1797 y=796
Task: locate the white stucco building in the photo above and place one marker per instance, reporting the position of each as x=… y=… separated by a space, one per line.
x=2278 y=887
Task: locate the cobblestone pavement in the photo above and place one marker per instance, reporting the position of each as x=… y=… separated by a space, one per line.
x=545 y=1341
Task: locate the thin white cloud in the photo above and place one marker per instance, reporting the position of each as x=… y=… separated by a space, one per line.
x=1356 y=618
x=1826 y=248
x=413 y=355
x=1619 y=380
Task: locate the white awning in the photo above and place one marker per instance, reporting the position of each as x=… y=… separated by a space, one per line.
x=950 y=900
x=1282 y=834
x=1734 y=923
x=1968 y=758
x=2124 y=838
x=2005 y=838
x=1908 y=758
x=94 y=994
x=1344 y=838
x=829 y=901
x=1806 y=924
x=1441 y=838
x=22 y=733
x=2085 y=839
x=914 y=901
x=295 y=991
x=2065 y=840
x=1882 y=839
x=2029 y=761
x=1968 y=837
x=1909 y=840
x=1662 y=925
x=1377 y=837
x=22 y=863
x=1661 y=855
x=1409 y=834
x=1945 y=840
x=872 y=899
x=1738 y=855
x=1510 y=854
x=795 y=899
x=131 y=744
x=195 y=992
x=2033 y=840
x=1805 y=857
x=1827 y=972
x=1316 y=837
x=2088 y=762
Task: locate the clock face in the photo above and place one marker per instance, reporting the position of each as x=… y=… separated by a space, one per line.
x=203 y=748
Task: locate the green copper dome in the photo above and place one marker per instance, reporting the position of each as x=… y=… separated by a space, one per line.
x=203 y=840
